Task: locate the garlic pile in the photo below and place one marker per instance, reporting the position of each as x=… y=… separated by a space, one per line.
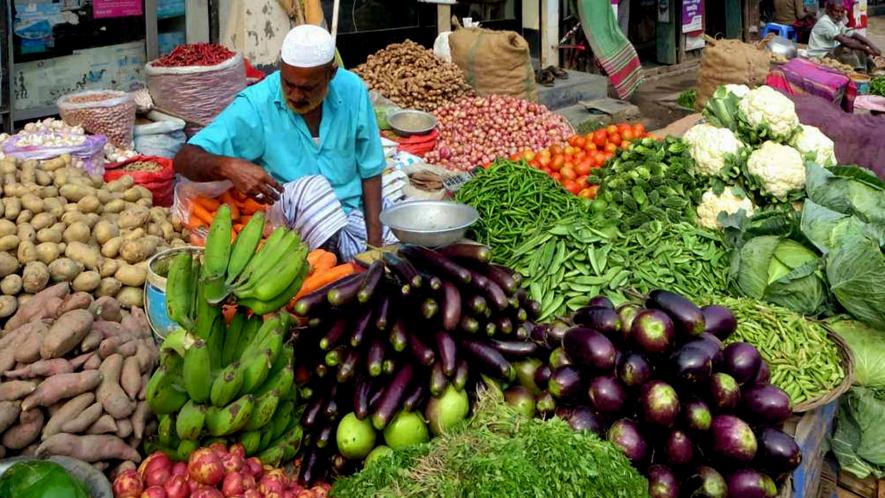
x=115 y=155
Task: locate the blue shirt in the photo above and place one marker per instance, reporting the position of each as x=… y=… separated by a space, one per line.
x=258 y=126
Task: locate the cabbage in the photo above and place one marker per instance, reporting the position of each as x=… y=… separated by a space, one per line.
x=850 y=190
x=859 y=438
x=780 y=271
x=868 y=346
x=856 y=273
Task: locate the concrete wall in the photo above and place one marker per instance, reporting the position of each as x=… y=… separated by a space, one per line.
x=254 y=27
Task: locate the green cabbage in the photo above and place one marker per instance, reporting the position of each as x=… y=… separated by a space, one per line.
x=856 y=273
x=859 y=438
x=868 y=346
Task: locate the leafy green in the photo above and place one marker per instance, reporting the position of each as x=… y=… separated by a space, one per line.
x=859 y=438
x=688 y=98
x=40 y=479
x=856 y=273
x=851 y=190
x=877 y=86
x=499 y=453
x=868 y=346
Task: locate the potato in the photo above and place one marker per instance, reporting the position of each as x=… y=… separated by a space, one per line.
x=136 y=234
x=9 y=242
x=11 y=285
x=104 y=196
x=64 y=270
x=24 y=216
x=91 y=219
x=111 y=248
x=7 y=227
x=74 y=192
x=134 y=251
x=176 y=243
x=8 y=264
x=114 y=206
x=77 y=232
x=27 y=252
x=131 y=194
x=35 y=277
x=133 y=217
x=131 y=296
x=145 y=203
x=87 y=281
x=8 y=306
x=154 y=229
x=104 y=231
x=32 y=203
x=47 y=252
x=108 y=267
x=89 y=204
x=47 y=192
x=43 y=178
x=12 y=206
x=53 y=164
x=53 y=206
x=51 y=234
x=43 y=220
x=120 y=184
x=131 y=275
x=84 y=254
x=71 y=217
x=108 y=287
x=176 y=221
x=26 y=233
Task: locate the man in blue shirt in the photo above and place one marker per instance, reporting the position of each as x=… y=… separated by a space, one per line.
x=306 y=139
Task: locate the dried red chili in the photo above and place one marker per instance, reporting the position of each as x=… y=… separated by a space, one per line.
x=195 y=54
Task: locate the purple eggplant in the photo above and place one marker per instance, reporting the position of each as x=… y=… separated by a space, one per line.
x=451 y=306
x=558 y=358
x=691 y=366
x=687 y=316
x=719 y=321
x=565 y=383
x=554 y=335
x=732 y=439
x=634 y=370
x=778 y=452
x=742 y=361
x=589 y=348
x=627 y=313
x=542 y=376
x=601 y=302
x=678 y=448
x=750 y=483
x=605 y=320
x=515 y=350
x=488 y=358
x=538 y=334
x=447 y=350
x=659 y=403
x=766 y=404
x=697 y=416
x=763 y=376
x=607 y=395
x=521 y=399
x=583 y=419
x=705 y=482
x=662 y=482
x=653 y=332
x=625 y=435
x=724 y=392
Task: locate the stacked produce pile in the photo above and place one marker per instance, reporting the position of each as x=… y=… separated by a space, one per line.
x=75 y=371
x=412 y=334
x=476 y=131
x=413 y=77
x=61 y=225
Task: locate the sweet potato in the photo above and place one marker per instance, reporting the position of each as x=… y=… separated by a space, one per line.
x=62 y=386
x=42 y=368
x=124 y=428
x=109 y=346
x=130 y=377
x=79 y=361
x=16 y=389
x=27 y=430
x=93 y=362
x=104 y=425
x=109 y=393
x=68 y=411
x=128 y=348
x=107 y=308
x=146 y=353
x=37 y=305
x=136 y=323
x=28 y=349
x=91 y=341
x=88 y=448
x=142 y=393
x=9 y=412
x=76 y=301
x=82 y=421
x=66 y=333
x=53 y=304
x=139 y=418
x=110 y=329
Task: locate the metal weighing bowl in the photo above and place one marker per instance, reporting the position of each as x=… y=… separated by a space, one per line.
x=410 y=122
x=783 y=47
x=429 y=223
x=97 y=484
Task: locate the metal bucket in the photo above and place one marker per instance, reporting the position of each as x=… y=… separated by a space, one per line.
x=155 y=291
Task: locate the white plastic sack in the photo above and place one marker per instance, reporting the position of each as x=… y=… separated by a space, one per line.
x=163 y=137
x=441 y=47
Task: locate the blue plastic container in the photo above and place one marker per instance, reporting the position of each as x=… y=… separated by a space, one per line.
x=155 y=291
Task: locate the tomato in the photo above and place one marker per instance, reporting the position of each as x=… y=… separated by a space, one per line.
x=568 y=173
x=555 y=149
x=571 y=140
x=627 y=134
x=580 y=155
x=569 y=150
x=556 y=176
x=639 y=129
x=599 y=158
x=612 y=130
x=585 y=193
x=624 y=127
x=571 y=186
x=544 y=153
x=611 y=147
x=614 y=139
x=544 y=160
x=580 y=141
x=608 y=155
x=590 y=147
x=528 y=155
x=582 y=181
x=584 y=167
x=558 y=161
x=546 y=170
x=515 y=157
x=625 y=144
x=600 y=137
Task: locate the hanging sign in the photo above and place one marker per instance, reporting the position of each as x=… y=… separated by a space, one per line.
x=692 y=16
x=116 y=8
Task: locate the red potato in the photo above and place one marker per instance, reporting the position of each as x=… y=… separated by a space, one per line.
x=66 y=333
x=68 y=411
x=82 y=421
x=88 y=448
x=232 y=485
x=42 y=368
x=9 y=412
x=36 y=308
x=104 y=425
x=139 y=418
x=130 y=377
x=157 y=459
x=128 y=484
x=26 y=432
x=91 y=341
x=207 y=493
x=157 y=472
x=28 y=349
x=106 y=308
x=76 y=301
x=62 y=386
x=176 y=487
x=122 y=467
x=179 y=469
x=111 y=396
x=16 y=389
x=154 y=492
x=205 y=467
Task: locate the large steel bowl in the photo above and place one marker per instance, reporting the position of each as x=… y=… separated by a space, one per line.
x=429 y=223
x=97 y=484
x=410 y=122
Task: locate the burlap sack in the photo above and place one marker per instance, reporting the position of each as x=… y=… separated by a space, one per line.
x=495 y=62
x=730 y=62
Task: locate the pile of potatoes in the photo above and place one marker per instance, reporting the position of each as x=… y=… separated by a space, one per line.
x=74 y=373
x=57 y=224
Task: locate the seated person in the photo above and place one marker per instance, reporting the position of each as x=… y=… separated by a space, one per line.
x=831 y=37
x=793 y=13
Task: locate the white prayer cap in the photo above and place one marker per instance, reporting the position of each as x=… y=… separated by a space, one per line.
x=308 y=46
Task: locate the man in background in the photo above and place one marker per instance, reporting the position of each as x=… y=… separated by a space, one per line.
x=831 y=37
x=793 y=13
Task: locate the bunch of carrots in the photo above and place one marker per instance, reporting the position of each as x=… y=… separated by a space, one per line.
x=202 y=211
x=324 y=270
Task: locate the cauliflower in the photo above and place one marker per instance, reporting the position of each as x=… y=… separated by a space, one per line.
x=710 y=147
x=815 y=146
x=767 y=110
x=730 y=201
x=778 y=168
x=740 y=91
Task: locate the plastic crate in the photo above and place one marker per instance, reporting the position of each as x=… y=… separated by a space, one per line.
x=811 y=431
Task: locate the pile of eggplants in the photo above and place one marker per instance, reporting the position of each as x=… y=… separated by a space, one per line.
x=699 y=419
x=402 y=331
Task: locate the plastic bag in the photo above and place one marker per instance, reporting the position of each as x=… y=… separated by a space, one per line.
x=186 y=191
x=160 y=183
x=101 y=112
x=90 y=152
x=163 y=137
x=441 y=47
x=383 y=107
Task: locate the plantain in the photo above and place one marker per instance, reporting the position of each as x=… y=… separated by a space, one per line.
x=226 y=385
x=216 y=256
x=196 y=371
x=163 y=392
x=265 y=406
x=180 y=290
x=231 y=418
x=244 y=247
x=189 y=421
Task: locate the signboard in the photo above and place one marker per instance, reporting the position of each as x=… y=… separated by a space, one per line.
x=116 y=8
x=692 y=16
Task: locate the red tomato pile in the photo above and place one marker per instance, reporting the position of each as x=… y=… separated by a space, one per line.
x=571 y=164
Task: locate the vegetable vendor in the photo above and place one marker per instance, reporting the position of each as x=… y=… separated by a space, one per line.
x=305 y=139
x=831 y=37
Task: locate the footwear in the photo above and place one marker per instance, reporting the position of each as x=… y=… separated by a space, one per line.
x=545 y=78
x=558 y=72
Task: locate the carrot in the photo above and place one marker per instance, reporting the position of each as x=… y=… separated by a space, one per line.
x=321 y=260
x=239 y=196
x=228 y=199
x=250 y=206
x=237 y=227
x=202 y=213
x=194 y=222
x=320 y=279
x=211 y=205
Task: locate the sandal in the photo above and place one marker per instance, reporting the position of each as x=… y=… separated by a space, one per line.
x=558 y=72
x=545 y=78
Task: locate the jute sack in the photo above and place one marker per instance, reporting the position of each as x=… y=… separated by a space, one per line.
x=494 y=62
x=730 y=62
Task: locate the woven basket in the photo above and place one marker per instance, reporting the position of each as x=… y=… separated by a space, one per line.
x=847 y=366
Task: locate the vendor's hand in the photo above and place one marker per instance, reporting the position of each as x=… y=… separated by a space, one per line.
x=252 y=180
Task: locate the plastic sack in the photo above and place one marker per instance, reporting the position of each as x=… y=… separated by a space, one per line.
x=441 y=47
x=160 y=183
x=196 y=93
x=163 y=137
x=383 y=107
x=101 y=112
x=186 y=191
x=90 y=152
